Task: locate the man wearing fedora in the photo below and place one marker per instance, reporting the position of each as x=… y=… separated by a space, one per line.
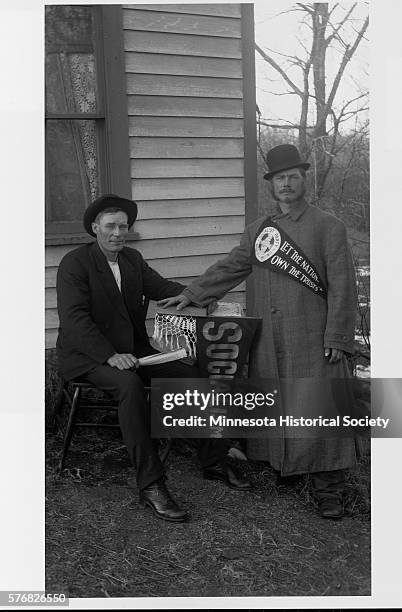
x=100 y=291
x=305 y=293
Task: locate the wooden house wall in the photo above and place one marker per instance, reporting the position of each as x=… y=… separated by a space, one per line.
x=186 y=140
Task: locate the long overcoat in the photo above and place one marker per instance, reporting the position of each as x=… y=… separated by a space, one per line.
x=96 y=319
x=296 y=326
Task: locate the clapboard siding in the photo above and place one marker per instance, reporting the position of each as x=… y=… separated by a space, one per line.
x=174 y=106
x=51 y=318
x=186 y=126
x=182 y=44
x=209 y=148
x=180 y=188
x=181 y=168
x=50 y=338
x=213 y=207
x=156 y=63
x=172 y=85
x=199 y=25
x=224 y=10
x=171 y=209
x=204 y=226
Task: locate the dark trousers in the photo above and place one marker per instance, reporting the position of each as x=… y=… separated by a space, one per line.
x=127 y=388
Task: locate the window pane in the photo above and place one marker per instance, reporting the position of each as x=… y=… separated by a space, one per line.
x=72 y=169
x=70 y=60
x=71 y=83
x=68 y=26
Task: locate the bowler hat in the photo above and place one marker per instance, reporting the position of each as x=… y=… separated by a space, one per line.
x=283 y=157
x=109 y=201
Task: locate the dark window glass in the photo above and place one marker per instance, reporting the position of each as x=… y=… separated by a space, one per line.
x=71 y=83
x=71 y=167
x=73 y=133
x=68 y=25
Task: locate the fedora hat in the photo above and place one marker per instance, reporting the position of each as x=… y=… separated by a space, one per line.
x=283 y=157
x=109 y=201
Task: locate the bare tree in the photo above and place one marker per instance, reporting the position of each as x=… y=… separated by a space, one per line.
x=329 y=28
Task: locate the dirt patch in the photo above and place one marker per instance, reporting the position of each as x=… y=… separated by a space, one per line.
x=268 y=542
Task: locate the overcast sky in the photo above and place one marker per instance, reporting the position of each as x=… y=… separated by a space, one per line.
x=282 y=32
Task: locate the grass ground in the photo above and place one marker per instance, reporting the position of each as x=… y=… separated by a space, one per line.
x=268 y=542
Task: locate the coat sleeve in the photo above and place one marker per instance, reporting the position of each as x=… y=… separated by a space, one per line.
x=155 y=286
x=227 y=273
x=342 y=291
x=73 y=303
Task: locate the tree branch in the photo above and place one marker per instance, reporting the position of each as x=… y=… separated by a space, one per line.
x=290 y=126
x=284 y=93
x=289 y=57
x=306 y=7
x=301 y=43
x=345 y=60
x=362 y=95
x=333 y=8
x=278 y=68
x=336 y=30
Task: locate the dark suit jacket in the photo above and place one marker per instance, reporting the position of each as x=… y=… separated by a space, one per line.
x=96 y=320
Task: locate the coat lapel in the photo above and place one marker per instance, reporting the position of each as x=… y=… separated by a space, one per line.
x=108 y=281
x=128 y=275
x=131 y=285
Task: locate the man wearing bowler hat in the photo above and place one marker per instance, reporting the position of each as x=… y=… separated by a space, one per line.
x=102 y=333
x=305 y=293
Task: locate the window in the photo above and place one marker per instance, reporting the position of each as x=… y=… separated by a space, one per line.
x=82 y=159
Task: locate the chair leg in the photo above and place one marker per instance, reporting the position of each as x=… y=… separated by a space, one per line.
x=58 y=406
x=70 y=427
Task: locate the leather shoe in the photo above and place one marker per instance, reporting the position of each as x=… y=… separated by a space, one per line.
x=227 y=474
x=331 y=507
x=157 y=497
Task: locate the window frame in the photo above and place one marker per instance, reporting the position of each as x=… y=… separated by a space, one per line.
x=112 y=119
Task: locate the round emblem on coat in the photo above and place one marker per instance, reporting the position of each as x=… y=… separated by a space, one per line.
x=267 y=243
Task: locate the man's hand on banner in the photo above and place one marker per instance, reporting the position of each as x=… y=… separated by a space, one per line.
x=180 y=301
x=333 y=354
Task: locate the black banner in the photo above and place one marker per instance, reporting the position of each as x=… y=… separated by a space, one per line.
x=273 y=248
x=223 y=344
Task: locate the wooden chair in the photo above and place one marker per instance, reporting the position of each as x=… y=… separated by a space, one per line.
x=75 y=393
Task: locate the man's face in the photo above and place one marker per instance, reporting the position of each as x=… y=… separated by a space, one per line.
x=288 y=185
x=111 y=232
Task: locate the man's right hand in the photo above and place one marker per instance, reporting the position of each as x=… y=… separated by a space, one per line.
x=180 y=300
x=123 y=361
